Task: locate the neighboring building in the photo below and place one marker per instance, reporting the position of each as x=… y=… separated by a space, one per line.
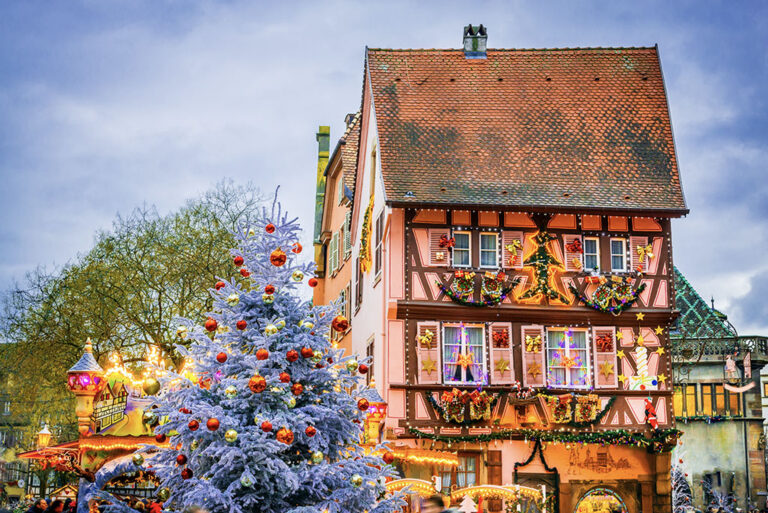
x=507 y=206
x=719 y=411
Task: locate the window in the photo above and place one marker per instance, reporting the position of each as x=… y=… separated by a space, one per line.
x=677 y=404
x=358 y=285
x=690 y=400
x=344 y=301
x=340 y=188
x=461 y=251
x=706 y=400
x=719 y=399
x=618 y=255
x=6 y=407
x=377 y=254
x=369 y=354
x=461 y=476
x=567 y=358
x=591 y=253
x=765 y=389
x=348 y=234
x=734 y=403
x=489 y=254
x=464 y=354
x=333 y=253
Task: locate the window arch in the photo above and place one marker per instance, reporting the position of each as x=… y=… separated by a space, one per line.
x=601 y=499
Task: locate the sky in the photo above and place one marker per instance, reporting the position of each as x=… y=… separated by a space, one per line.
x=107 y=105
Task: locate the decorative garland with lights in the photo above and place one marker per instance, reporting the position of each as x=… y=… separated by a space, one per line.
x=663 y=440
x=486 y=301
x=366 y=259
x=605 y=305
x=467 y=421
x=596 y=420
x=709 y=419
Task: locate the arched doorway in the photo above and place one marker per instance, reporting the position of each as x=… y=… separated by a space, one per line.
x=601 y=500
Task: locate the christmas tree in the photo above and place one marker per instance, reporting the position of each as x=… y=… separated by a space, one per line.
x=261 y=417
x=682 y=497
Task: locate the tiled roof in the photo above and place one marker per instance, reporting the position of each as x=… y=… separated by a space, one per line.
x=351 y=141
x=571 y=128
x=697 y=319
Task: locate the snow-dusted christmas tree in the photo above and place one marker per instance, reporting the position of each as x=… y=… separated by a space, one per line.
x=261 y=418
x=682 y=497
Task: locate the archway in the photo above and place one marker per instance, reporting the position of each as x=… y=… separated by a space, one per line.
x=601 y=500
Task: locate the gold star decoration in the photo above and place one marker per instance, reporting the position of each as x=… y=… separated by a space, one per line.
x=428 y=365
x=464 y=360
x=640 y=340
x=501 y=365
x=620 y=354
x=619 y=335
x=660 y=351
x=622 y=378
x=659 y=330
x=606 y=369
x=661 y=378
x=534 y=370
x=640 y=316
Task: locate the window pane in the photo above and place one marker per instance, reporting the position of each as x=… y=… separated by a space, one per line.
x=690 y=400
x=555 y=348
x=451 y=350
x=474 y=347
x=590 y=262
x=720 y=399
x=461 y=240
x=734 y=403
x=590 y=246
x=487 y=258
x=488 y=241
x=617 y=262
x=461 y=257
x=706 y=400
x=617 y=247
x=678 y=401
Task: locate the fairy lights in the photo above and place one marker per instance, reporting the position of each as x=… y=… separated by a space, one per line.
x=421 y=456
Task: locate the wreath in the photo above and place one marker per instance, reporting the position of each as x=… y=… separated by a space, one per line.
x=612 y=296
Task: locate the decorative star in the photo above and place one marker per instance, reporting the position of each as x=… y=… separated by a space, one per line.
x=622 y=378
x=640 y=316
x=660 y=351
x=620 y=354
x=428 y=365
x=501 y=365
x=534 y=370
x=659 y=330
x=619 y=335
x=661 y=378
x=606 y=369
x=640 y=340
x=464 y=360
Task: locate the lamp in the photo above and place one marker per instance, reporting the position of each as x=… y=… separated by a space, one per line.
x=43 y=437
x=85 y=380
x=377 y=412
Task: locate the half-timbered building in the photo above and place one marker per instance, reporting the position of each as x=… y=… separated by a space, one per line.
x=513 y=276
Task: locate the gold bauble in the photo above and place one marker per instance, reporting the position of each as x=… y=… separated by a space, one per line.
x=317 y=457
x=291 y=402
x=151 y=386
x=356 y=480
x=352 y=365
x=268 y=299
x=163 y=494
x=297 y=275
x=138 y=460
x=280 y=324
x=230 y=392
x=233 y=299
x=230 y=436
x=271 y=329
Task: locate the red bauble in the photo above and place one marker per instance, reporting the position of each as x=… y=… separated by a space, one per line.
x=362 y=404
x=307 y=352
x=312 y=282
x=363 y=368
x=278 y=257
x=212 y=424
x=193 y=425
x=340 y=323
x=297 y=388
x=310 y=431
x=257 y=384
x=185 y=410
x=296 y=248
x=285 y=377
x=220 y=285
x=388 y=458
x=221 y=357
x=285 y=436
x=245 y=272
x=186 y=474
x=262 y=354
x=266 y=426
x=241 y=324
x=270 y=228
x=269 y=289
x=292 y=355
x=161 y=438
x=319 y=366
x=181 y=459
x=211 y=324
x=238 y=260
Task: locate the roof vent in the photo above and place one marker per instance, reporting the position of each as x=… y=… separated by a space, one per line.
x=475 y=42
x=410 y=194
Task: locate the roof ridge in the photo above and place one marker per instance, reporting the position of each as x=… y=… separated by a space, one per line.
x=554 y=49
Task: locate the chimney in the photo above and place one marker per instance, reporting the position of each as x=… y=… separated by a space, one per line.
x=475 y=42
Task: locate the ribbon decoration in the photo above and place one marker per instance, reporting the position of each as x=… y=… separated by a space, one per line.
x=513 y=248
x=645 y=251
x=574 y=246
x=445 y=242
x=533 y=344
x=426 y=339
x=464 y=360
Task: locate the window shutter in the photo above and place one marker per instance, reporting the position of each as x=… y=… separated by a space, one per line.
x=331 y=254
x=534 y=368
x=438 y=257
x=604 y=349
x=334 y=256
x=494 y=478
x=347 y=234
x=573 y=259
x=500 y=342
x=508 y=261
x=340 y=249
x=634 y=243
x=428 y=354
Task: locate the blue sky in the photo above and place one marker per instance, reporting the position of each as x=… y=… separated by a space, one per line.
x=107 y=105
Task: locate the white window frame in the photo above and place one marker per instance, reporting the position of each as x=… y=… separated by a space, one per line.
x=468 y=249
x=340 y=188
x=484 y=374
x=6 y=407
x=623 y=254
x=597 y=255
x=334 y=252
x=495 y=250
x=587 y=359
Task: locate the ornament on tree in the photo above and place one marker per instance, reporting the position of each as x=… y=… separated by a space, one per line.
x=270 y=228
x=194 y=445
x=181 y=460
x=233 y=299
x=285 y=377
x=138 y=460
x=246 y=479
x=230 y=436
x=312 y=282
x=388 y=458
x=267 y=299
x=161 y=438
x=340 y=323
x=362 y=368
x=163 y=494
x=278 y=257
x=352 y=365
x=219 y=285
x=317 y=457
x=241 y=325
x=280 y=324
x=221 y=357
x=186 y=474
x=284 y=435
x=307 y=352
x=181 y=332
x=257 y=384
x=296 y=248
x=151 y=386
x=297 y=388
x=363 y=404
x=149 y=418
x=356 y=480
x=262 y=354
x=307 y=325
x=245 y=272
x=310 y=431
x=238 y=260
x=317 y=356
x=211 y=324
x=269 y=289
x=291 y=402
x=186 y=411
x=266 y=426
x=292 y=355
x=193 y=425
x=297 y=276
x=271 y=329
x=230 y=392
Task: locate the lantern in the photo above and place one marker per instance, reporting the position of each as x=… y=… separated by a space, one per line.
x=43 y=437
x=85 y=380
x=377 y=412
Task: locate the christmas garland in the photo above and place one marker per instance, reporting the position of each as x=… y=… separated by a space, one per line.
x=709 y=419
x=660 y=441
x=486 y=301
x=445 y=411
x=365 y=239
x=604 y=303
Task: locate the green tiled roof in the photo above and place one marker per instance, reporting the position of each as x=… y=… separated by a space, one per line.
x=697 y=319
